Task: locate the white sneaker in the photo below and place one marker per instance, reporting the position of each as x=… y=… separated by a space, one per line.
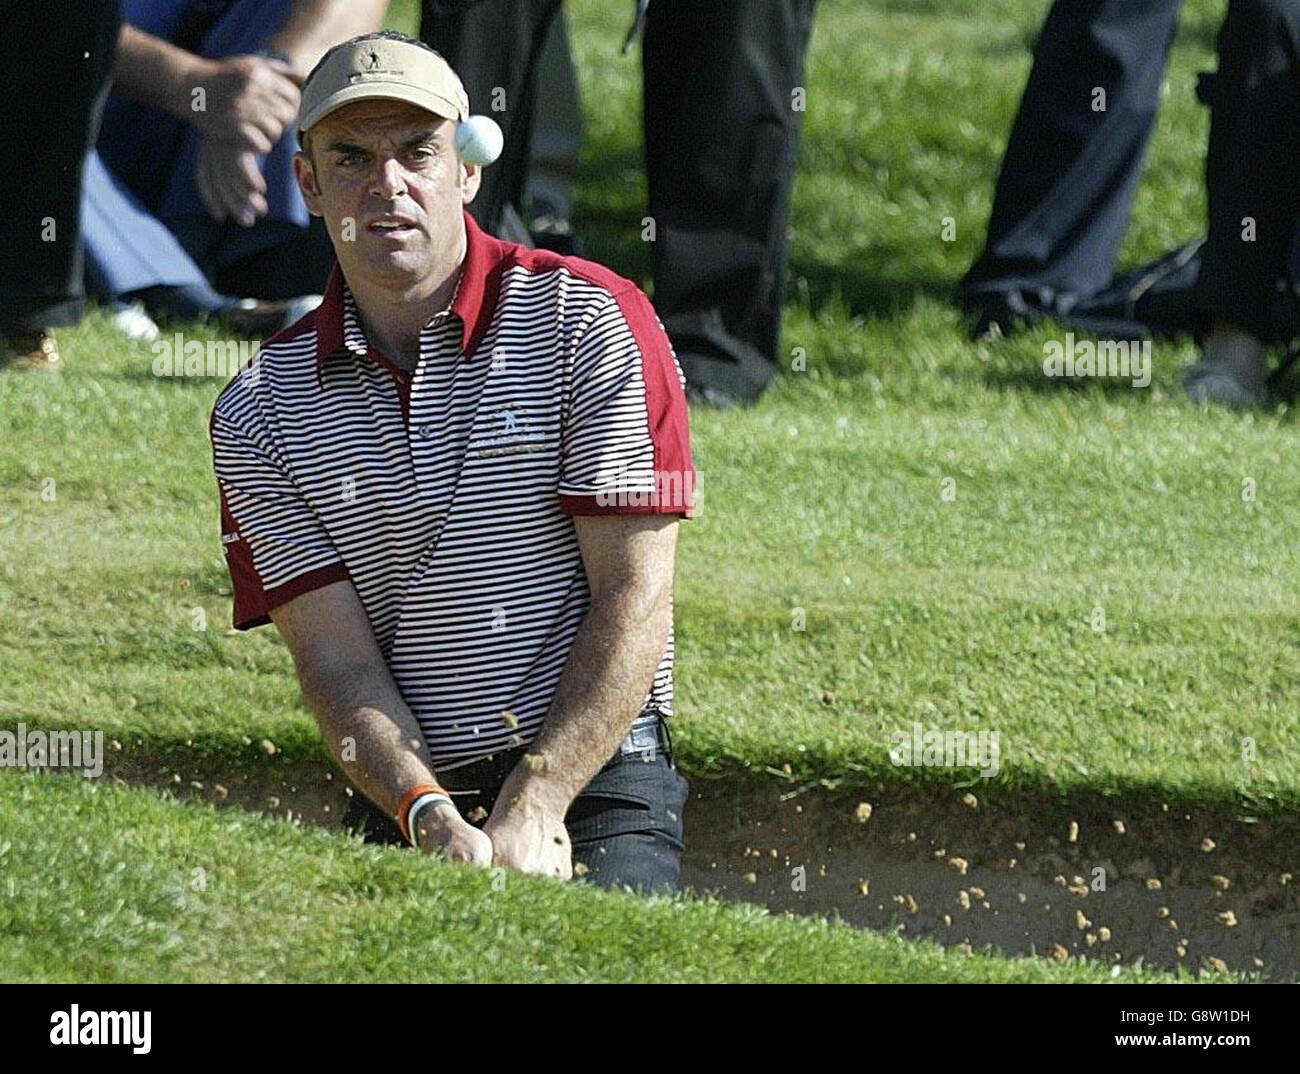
x=135 y=324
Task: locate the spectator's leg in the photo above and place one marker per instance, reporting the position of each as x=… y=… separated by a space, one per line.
x=1071 y=172
x=53 y=83
x=722 y=125
x=494 y=46
x=129 y=251
x=1253 y=199
x=1250 y=168
x=556 y=143
x=299 y=264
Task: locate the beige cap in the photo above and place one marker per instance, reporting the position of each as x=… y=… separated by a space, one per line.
x=383 y=67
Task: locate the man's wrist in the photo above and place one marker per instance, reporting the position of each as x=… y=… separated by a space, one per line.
x=532 y=783
x=291 y=53
x=432 y=820
x=413 y=802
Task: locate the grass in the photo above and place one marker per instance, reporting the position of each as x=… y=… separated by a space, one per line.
x=143 y=889
x=824 y=502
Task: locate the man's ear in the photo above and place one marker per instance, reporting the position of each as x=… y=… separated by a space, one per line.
x=306 y=176
x=473 y=178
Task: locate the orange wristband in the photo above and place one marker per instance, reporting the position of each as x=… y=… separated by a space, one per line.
x=408 y=799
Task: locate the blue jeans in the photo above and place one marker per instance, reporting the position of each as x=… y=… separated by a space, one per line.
x=625 y=827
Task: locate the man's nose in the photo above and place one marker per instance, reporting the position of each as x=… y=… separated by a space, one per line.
x=389 y=180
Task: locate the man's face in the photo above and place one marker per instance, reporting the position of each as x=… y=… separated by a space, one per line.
x=387 y=179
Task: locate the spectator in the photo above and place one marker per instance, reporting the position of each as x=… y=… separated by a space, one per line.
x=1073 y=161
x=193 y=201
x=1071 y=172
x=1254 y=200
x=52 y=92
x=722 y=123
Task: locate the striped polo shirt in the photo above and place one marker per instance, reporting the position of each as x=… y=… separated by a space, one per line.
x=547 y=389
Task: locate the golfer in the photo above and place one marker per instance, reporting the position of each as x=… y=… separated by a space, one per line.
x=455 y=488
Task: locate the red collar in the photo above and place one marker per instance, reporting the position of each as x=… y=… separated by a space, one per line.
x=475 y=302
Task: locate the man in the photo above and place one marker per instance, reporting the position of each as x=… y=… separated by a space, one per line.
x=52 y=93
x=1073 y=160
x=1072 y=169
x=723 y=112
x=1254 y=204
x=191 y=202
x=443 y=487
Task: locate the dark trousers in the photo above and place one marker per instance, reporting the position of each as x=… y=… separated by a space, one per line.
x=53 y=83
x=1250 y=171
x=625 y=827
x=722 y=125
x=494 y=46
x=1070 y=173
x=721 y=140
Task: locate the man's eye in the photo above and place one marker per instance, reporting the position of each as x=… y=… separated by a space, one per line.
x=348 y=160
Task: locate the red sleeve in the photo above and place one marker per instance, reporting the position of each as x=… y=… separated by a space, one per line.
x=626 y=435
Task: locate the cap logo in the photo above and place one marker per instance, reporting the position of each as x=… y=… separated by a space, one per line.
x=373 y=71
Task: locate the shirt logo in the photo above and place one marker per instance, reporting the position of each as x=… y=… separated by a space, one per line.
x=508 y=434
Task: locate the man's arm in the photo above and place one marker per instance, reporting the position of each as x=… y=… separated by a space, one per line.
x=349 y=687
x=248 y=100
x=629 y=563
x=242 y=105
x=156 y=72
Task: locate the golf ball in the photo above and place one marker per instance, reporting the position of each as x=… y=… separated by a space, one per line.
x=479 y=140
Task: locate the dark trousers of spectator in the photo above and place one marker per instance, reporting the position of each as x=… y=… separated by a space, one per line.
x=1250 y=172
x=1070 y=172
x=494 y=46
x=723 y=117
x=53 y=83
x=722 y=124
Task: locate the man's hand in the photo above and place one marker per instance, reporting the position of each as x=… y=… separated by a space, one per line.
x=527 y=833
x=230 y=182
x=440 y=830
x=249 y=100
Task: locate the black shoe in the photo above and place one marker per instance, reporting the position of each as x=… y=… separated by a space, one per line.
x=994 y=315
x=555 y=233
x=31 y=350
x=261 y=319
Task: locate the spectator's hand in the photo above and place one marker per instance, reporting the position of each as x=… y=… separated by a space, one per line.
x=230 y=182
x=441 y=830
x=249 y=100
x=529 y=836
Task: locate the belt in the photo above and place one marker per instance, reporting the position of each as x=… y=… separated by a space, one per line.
x=648 y=735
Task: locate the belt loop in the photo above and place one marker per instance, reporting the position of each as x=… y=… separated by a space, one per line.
x=668 y=741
